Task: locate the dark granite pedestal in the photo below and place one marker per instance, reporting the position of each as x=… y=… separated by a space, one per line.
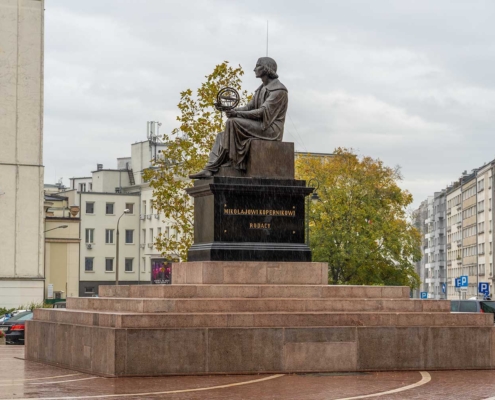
x=249 y=219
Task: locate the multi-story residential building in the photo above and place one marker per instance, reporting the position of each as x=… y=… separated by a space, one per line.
x=437 y=276
x=484 y=223
x=419 y=221
x=434 y=245
x=62 y=242
x=100 y=213
x=21 y=152
x=469 y=237
x=103 y=197
x=454 y=237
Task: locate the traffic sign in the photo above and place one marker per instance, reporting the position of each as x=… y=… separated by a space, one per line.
x=457 y=282
x=444 y=287
x=484 y=287
x=424 y=295
x=464 y=281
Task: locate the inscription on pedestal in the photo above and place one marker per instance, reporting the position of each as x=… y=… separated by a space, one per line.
x=245 y=219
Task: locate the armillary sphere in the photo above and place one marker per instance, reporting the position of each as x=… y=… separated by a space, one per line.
x=227 y=99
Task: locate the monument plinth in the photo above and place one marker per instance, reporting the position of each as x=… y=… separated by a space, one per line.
x=255 y=215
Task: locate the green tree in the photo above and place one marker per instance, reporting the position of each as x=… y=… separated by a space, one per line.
x=186 y=152
x=360 y=225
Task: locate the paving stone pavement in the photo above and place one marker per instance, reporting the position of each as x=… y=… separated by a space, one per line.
x=20 y=379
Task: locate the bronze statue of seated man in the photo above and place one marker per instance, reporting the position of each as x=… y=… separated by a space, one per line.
x=262 y=118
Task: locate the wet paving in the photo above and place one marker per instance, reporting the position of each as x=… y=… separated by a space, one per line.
x=20 y=379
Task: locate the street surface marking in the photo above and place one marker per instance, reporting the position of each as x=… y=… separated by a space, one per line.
x=47 y=383
x=156 y=393
x=37 y=379
x=425 y=378
x=72 y=380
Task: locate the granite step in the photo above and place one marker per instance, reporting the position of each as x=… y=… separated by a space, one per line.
x=260 y=319
x=191 y=305
x=253 y=291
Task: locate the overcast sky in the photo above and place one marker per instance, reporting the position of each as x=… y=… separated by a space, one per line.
x=409 y=82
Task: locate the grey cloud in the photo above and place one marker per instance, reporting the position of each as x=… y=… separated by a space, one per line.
x=407 y=82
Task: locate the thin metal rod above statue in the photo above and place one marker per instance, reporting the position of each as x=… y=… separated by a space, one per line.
x=263 y=118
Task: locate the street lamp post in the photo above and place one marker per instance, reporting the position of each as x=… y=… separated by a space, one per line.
x=126 y=211
x=58 y=227
x=314 y=196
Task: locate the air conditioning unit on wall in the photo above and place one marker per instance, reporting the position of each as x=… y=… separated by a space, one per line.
x=89 y=246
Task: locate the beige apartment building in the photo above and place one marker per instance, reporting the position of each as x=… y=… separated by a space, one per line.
x=454 y=237
x=469 y=235
x=470 y=231
x=21 y=152
x=62 y=245
x=484 y=201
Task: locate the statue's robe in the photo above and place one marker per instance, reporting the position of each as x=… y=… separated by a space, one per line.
x=262 y=118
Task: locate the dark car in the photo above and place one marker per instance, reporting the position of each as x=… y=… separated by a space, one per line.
x=483 y=306
x=14 y=327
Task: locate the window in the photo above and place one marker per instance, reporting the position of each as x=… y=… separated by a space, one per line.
x=109 y=208
x=144 y=264
x=469 y=212
x=481 y=248
x=129 y=236
x=152 y=239
x=481 y=269
x=159 y=232
x=90 y=187
x=90 y=235
x=128 y=264
x=90 y=207
x=144 y=207
x=89 y=289
x=130 y=207
x=82 y=187
x=151 y=206
x=144 y=237
x=167 y=232
x=108 y=264
x=109 y=236
x=88 y=264
x=469 y=193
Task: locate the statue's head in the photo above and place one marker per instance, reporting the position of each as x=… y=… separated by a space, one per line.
x=266 y=66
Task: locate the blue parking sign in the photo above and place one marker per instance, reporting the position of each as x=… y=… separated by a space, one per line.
x=464 y=281
x=424 y=295
x=457 y=282
x=444 y=287
x=484 y=287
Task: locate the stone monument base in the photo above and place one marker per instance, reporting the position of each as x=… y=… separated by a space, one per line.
x=210 y=323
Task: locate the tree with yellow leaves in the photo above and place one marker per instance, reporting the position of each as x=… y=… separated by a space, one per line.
x=186 y=152
x=359 y=224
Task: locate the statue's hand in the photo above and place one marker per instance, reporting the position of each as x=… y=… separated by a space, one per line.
x=231 y=113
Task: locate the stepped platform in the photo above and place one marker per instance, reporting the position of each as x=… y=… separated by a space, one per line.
x=267 y=325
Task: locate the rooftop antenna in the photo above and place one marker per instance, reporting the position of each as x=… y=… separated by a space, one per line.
x=267 y=38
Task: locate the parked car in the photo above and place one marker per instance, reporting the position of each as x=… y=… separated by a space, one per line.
x=484 y=306
x=6 y=317
x=14 y=327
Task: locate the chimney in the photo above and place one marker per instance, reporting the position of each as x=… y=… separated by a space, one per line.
x=99 y=167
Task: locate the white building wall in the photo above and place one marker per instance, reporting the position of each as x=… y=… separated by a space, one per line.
x=21 y=170
x=106 y=181
x=151 y=222
x=100 y=221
